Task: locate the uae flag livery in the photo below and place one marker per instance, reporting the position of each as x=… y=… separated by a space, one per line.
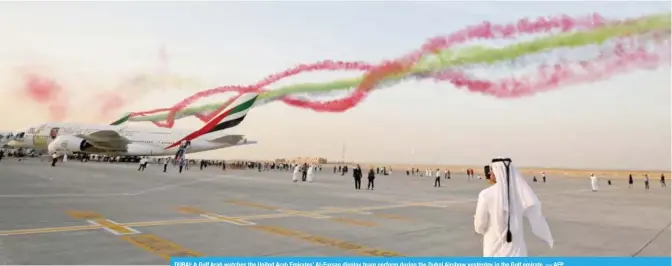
x=230 y=117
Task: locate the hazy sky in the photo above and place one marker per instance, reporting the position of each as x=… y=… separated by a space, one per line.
x=623 y=122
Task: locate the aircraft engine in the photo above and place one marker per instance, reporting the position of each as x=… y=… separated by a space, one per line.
x=136 y=149
x=69 y=144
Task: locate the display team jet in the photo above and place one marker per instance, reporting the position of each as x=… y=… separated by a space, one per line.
x=119 y=140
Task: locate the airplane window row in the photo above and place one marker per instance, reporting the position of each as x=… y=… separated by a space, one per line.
x=150 y=141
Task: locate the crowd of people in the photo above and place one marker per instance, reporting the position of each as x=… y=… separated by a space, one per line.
x=500 y=208
x=303 y=171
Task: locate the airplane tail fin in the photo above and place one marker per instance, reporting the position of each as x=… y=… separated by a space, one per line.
x=121 y=120
x=230 y=117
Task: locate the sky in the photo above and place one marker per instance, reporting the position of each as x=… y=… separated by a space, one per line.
x=91 y=47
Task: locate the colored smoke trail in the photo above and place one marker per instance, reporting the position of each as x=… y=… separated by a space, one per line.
x=647 y=39
x=134 y=87
x=41 y=89
x=46 y=91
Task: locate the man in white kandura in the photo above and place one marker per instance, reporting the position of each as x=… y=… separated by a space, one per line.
x=297 y=172
x=593 y=182
x=311 y=173
x=500 y=211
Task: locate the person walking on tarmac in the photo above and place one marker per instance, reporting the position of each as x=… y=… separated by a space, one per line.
x=182 y=163
x=2 y=154
x=437 y=180
x=304 y=172
x=372 y=176
x=54 y=159
x=357 y=174
x=165 y=164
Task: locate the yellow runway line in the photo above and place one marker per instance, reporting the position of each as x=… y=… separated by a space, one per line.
x=160 y=246
x=115 y=228
x=324 y=241
x=252 y=204
x=49 y=230
x=353 y=222
x=190 y=210
x=184 y=221
x=393 y=217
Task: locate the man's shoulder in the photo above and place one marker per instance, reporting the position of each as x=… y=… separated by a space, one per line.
x=487 y=192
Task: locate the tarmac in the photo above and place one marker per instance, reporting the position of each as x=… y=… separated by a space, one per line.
x=112 y=214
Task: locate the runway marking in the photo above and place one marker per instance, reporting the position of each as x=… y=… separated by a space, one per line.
x=186 y=221
x=85 y=215
x=113 y=227
x=206 y=220
x=252 y=204
x=353 y=222
x=346 y=210
x=159 y=246
x=324 y=241
x=230 y=220
x=99 y=220
x=190 y=210
x=313 y=215
x=148 y=242
x=214 y=216
x=393 y=217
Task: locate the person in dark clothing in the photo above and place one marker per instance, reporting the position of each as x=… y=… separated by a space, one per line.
x=630 y=181
x=54 y=159
x=609 y=182
x=662 y=180
x=534 y=179
x=646 y=182
x=182 y=163
x=357 y=174
x=165 y=164
x=2 y=155
x=334 y=169
x=372 y=176
x=304 y=172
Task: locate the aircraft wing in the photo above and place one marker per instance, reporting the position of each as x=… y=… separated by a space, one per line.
x=230 y=139
x=106 y=139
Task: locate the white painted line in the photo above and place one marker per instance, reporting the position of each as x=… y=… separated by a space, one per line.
x=345 y=210
x=104 y=228
x=134 y=231
x=227 y=219
x=305 y=214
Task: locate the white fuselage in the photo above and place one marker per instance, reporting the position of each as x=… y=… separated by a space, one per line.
x=5 y=137
x=143 y=141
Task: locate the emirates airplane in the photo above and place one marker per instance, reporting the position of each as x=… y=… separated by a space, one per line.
x=119 y=140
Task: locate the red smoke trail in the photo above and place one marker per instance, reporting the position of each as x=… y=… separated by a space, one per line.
x=41 y=89
x=486 y=30
x=46 y=91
